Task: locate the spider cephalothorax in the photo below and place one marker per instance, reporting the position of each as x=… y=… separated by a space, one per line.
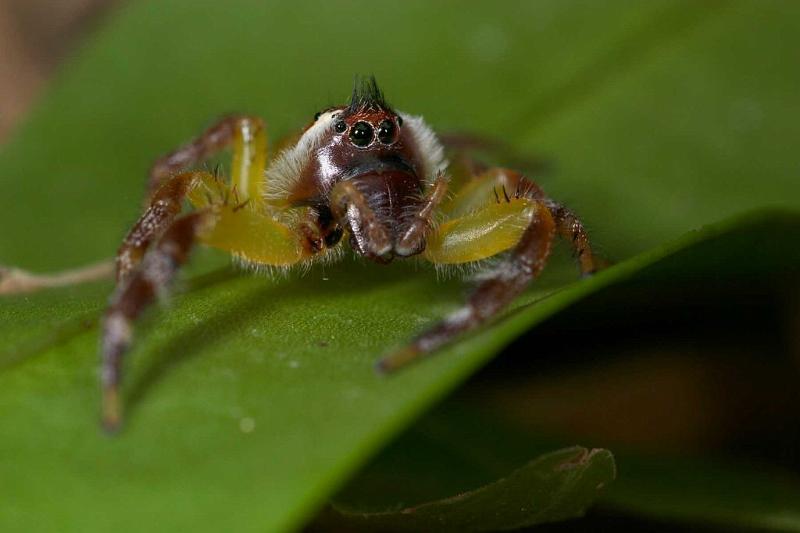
x=359 y=158
x=361 y=170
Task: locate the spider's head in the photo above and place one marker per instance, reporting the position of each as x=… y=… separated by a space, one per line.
x=362 y=133
x=387 y=156
x=364 y=137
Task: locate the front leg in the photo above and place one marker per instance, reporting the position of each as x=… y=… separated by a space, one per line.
x=482 y=234
x=412 y=240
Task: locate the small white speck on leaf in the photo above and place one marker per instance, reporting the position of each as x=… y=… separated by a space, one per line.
x=247 y=425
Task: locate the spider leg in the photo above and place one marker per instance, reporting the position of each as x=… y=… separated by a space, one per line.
x=159 y=244
x=163 y=207
x=571 y=229
x=245 y=134
x=141 y=288
x=165 y=204
x=412 y=240
x=499 y=183
x=524 y=225
x=495 y=213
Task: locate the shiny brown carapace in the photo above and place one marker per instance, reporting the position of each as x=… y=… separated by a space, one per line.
x=360 y=176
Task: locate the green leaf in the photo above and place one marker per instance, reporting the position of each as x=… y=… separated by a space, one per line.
x=252 y=400
x=458 y=443
x=553 y=487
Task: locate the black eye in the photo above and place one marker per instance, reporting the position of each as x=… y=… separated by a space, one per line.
x=399 y=120
x=317 y=115
x=361 y=134
x=386 y=132
x=340 y=126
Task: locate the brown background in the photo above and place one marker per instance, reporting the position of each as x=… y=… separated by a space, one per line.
x=35 y=35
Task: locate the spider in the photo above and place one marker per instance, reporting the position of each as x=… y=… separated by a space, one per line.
x=362 y=173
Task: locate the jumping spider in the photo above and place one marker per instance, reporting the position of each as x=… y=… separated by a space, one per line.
x=361 y=171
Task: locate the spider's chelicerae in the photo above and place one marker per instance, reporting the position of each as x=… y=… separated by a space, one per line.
x=361 y=173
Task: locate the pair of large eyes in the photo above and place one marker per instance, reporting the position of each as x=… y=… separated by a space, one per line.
x=362 y=133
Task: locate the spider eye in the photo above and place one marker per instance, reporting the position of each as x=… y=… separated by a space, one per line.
x=340 y=126
x=317 y=115
x=361 y=134
x=399 y=121
x=386 y=132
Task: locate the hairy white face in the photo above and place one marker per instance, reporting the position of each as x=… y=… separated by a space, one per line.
x=285 y=170
x=287 y=166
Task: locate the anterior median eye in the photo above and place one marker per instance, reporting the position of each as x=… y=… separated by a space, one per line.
x=361 y=134
x=386 y=131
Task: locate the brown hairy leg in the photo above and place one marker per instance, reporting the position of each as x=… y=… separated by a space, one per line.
x=505 y=183
x=160 y=242
x=493 y=294
x=502 y=187
x=146 y=262
x=413 y=239
x=137 y=290
x=571 y=229
x=164 y=206
x=247 y=135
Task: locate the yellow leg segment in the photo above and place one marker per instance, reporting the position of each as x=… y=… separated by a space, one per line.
x=495 y=185
x=255 y=237
x=488 y=231
x=249 y=160
x=244 y=135
x=247 y=230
